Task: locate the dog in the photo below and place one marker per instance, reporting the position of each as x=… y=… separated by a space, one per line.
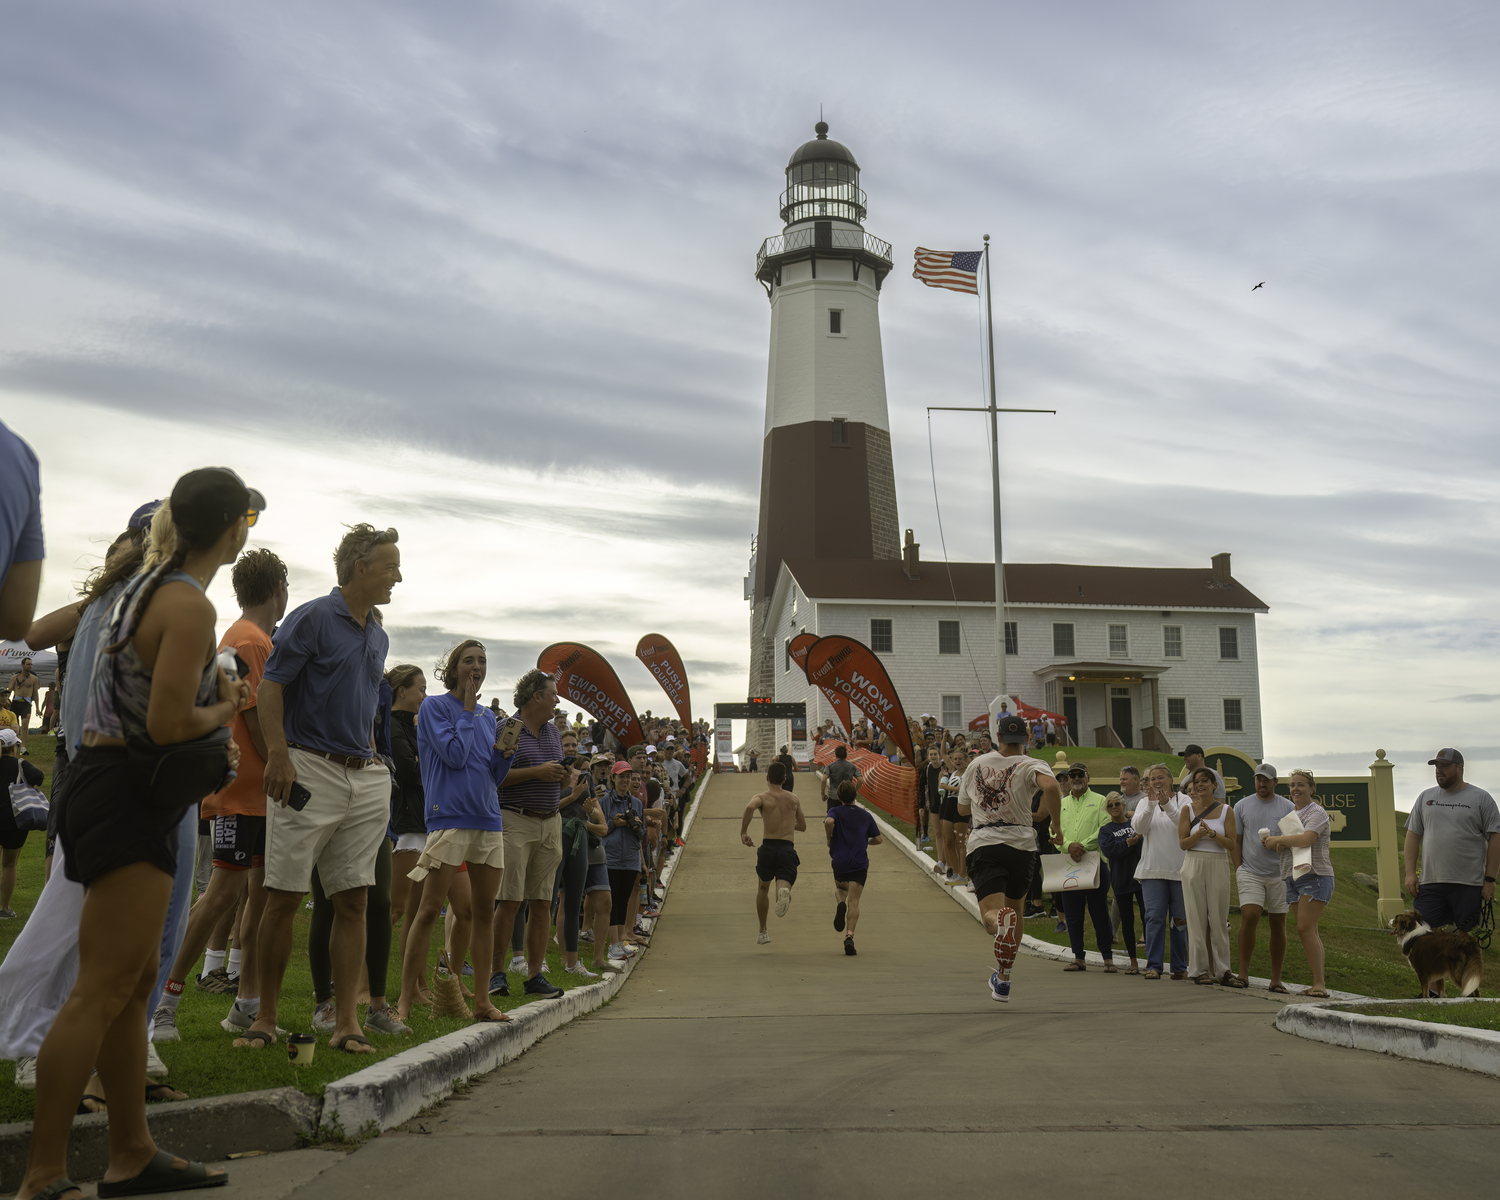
x=1439 y=957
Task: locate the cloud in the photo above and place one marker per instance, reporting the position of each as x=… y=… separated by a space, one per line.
x=1477 y=698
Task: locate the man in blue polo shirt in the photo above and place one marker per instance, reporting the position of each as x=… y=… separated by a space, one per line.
x=331 y=793
x=20 y=535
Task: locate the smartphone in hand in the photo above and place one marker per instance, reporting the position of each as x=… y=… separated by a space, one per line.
x=297 y=796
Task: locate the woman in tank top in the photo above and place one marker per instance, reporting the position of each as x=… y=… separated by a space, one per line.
x=1206 y=832
x=155 y=683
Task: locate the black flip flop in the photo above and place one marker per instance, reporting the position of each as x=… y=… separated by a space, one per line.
x=343 y=1043
x=258 y=1039
x=160 y=1087
x=83 y=1111
x=56 y=1188
x=161 y=1176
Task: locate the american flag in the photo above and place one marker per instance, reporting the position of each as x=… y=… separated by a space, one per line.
x=957 y=270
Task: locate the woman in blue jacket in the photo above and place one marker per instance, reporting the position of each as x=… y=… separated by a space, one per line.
x=1122 y=849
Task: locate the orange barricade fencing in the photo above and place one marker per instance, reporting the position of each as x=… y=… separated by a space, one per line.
x=889 y=786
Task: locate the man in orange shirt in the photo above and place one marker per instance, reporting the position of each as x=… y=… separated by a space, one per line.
x=238 y=812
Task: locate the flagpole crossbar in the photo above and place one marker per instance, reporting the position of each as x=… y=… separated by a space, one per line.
x=953 y=408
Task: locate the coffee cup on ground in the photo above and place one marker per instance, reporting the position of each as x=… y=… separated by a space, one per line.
x=300 y=1048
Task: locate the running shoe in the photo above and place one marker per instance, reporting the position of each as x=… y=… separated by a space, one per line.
x=586 y=935
x=325 y=1016
x=999 y=988
x=838 y=917
x=164 y=1025
x=218 y=982
x=540 y=985
x=581 y=971
x=614 y=968
x=238 y=1019
x=783 y=901
x=7 y=914
x=385 y=1020
x=1060 y=927
x=498 y=985
x=849 y=946
x=763 y=938
x=517 y=964
x=26 y=1072
x=621 y=952
x=155 y=1068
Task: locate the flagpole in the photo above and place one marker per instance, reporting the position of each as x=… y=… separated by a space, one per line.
x=989 y=320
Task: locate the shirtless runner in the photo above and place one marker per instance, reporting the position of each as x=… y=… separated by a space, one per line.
x=23 y=686
x=780 y=817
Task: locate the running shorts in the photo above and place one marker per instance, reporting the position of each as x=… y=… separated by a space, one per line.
x=1000 y=869
x=239 y=842
x=777 y=859
x=949 y=811
x=851 y=876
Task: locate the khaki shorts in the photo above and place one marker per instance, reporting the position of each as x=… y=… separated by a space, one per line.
x=339 y=831
x=454 y=847
x=533 y=852
x=1265 y=892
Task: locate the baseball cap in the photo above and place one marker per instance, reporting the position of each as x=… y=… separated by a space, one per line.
x=141 y=518
x=1009 y=726
x=671 y=738
x=10 y=737
x=1447 y=755
x=209 y=500
x=621 y=767
x=1267 y=770
x=1078 y=766
x=600 y=759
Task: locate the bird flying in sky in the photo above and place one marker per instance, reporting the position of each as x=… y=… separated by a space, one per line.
x=1261 y=284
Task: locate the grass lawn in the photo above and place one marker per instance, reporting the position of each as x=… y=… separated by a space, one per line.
x=204 y=1063
x=1479 y=1014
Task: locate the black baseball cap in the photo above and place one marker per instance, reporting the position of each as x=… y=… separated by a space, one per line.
x=1447 y=755
x=1010 y=728
x=209 y=500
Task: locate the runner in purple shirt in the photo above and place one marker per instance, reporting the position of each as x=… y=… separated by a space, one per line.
x=850 y=831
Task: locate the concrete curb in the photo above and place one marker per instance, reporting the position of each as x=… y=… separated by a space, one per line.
x=1033 y=946
x=398 y=1088
x=1426 y=1041
x=209 y=1130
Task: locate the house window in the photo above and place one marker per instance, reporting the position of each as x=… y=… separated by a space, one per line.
x=840 y=431
x=1062 y=639
x=880 y=635
x=1049 y=696
x=1171 y=641
x=953 y=712
x=835 y=320
x=1125 y=692
x=787 y=649
x=1012 y=638
x=1229 y=641
x=1176 y=713
x=1234 y=717
x=1119 y=642
x=948 y=637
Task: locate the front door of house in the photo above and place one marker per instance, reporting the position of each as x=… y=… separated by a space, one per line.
x=1119 y=716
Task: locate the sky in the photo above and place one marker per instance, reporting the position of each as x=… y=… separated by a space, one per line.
x=484 y=272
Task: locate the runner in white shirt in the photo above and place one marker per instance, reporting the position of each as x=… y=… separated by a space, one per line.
x=996 y=794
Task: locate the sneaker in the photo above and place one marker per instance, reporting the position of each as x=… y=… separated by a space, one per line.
x=849 y=946
x=838 y=917
x=7 y=914
x=164 y=1025
x=999 y=988
x=155 y=1068
x=517 y=964
x=468 y=970
x=621 y=952
x=325 y=1016
x=763 y=938
x=539 y=985
x=783 y=901
x=581 y=971
x=385 y=1020
x=1060 y=927
x=613 y=968
x=237 y=1020
x=586 y=935
x=498 y=984
x=968 y=885
x=26 y=1072
x=218 y=982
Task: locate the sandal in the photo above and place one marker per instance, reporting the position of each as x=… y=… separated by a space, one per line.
x=56 y=1189
x=1136 y=971
x=1320 y=993
x=1179 y=974
x=1234 y=981
x=1076 y=966
x=255 y=1039
x=1204 y=980
x=84 y=1110
x=1152 y=975
x=358 y=1039
x=153 y=1095
x=1279 y=988
x=161 y=1176
x=1110 y=968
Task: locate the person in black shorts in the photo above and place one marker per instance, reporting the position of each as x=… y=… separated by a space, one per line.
x=958 y=819
x=13 y=769
x=786 y=760
x=850 y=831
x=776 y=859
x=996 y=794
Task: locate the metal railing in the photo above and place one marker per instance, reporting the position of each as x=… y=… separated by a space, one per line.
x=837 y=239
x=806 y=202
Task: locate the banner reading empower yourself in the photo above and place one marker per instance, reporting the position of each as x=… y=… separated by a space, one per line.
x=801 y=644
x=849 y=667
x=587 y=679
x=665 y=664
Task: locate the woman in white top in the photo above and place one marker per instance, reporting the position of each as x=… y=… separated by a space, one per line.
x=1160 y=872
x=1206 y=832
x=1310 y=892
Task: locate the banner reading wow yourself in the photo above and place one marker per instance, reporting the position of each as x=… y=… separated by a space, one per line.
x=587 y=679
x=801 y=644
x=844 y=665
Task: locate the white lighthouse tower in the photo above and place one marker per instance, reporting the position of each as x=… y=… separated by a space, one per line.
x=827 y=486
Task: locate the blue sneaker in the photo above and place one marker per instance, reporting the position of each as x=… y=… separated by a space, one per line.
x=538 y=985
x=999 y=988
x=498 y=986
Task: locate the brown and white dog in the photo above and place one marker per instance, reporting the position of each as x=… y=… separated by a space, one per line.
x=1438 y=957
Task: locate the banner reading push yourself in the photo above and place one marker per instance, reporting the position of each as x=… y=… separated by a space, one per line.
x=801 y=644
x=586 y=679
x=842 y=664
x=663 y=661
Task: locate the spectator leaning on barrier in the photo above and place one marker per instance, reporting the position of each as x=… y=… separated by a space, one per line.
x=332 y=794
x=1457 y=827
x=1258 y=878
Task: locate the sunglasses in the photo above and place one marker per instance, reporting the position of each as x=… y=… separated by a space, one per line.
x=251 y=516
x=1078 y=774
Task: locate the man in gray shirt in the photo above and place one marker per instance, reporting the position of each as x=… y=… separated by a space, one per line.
x=839 y=770
x=1457 y=826
x=1258 y=878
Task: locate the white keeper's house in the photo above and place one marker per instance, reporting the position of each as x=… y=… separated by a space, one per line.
x=1144 y=657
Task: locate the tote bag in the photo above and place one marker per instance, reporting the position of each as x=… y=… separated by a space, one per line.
x=29 y=806
x=1061 y=874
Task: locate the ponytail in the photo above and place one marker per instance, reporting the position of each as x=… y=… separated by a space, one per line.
x=131 y=618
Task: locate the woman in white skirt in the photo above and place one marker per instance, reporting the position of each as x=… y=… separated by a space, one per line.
x=1206 y=832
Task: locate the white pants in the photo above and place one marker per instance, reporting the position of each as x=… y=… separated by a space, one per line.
x=1205 y=899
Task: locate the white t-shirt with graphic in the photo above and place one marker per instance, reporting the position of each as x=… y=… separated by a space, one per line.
x=998 y=791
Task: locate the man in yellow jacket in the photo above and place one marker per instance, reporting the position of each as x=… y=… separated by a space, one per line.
x=1083 y=815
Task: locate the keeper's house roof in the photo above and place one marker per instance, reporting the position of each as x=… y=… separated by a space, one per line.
x=1042 y=584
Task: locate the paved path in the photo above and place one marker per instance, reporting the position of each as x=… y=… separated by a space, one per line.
x=728 y=1069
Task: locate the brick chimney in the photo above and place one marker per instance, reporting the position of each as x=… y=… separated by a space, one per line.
x=911 y=557
x=1221 y=569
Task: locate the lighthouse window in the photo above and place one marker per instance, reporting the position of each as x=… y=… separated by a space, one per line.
x=840 y=431
x=880 y=635
x=835 y=320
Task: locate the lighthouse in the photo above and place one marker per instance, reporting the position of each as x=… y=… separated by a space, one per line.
x=827 y=485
